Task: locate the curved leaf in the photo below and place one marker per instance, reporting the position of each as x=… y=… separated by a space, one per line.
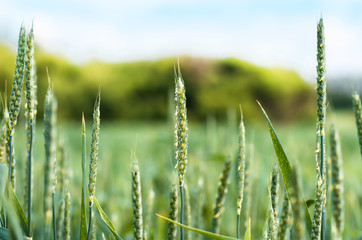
x=5 y=235
x=3 y=178
x=248 y=232
x=83 y=220
x=286 y=169
x=14 y=201
x=14 y=229
x=202 y=232
x=106 y=220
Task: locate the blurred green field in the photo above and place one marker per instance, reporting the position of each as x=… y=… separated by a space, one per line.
x=209 y=143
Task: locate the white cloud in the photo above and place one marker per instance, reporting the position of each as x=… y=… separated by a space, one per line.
x=121 y=30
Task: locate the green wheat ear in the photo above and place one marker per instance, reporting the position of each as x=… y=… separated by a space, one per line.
x=318 y=228
x=4 y=138
x=357 y=107
x=93 y=160
x=50 y=108
x=181 y=137
x=181 y=125
x=240 y=172
x=296 y=202
x=15 y=101
x=220 y=198
x=94 y=151
x=337 y=184
x=137 y=202
x=30 y=115
x=172 y=230
x=284 y=218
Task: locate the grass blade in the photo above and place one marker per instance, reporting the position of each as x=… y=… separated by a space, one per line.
x=202 y=232
x=83 y=220
x=14 y=201
x=5 y=235
x=3 y=178
x=106 y=220
x=286 y=169
x=247 y=235
x=15 y=231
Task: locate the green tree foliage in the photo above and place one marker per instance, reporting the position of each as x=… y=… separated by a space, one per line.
x=139 y=90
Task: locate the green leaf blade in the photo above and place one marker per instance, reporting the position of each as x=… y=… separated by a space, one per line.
x=247 y=235
x=202 y=232
x=14 y=201
x=83 y=220
x=286 y=169
x=106 y=220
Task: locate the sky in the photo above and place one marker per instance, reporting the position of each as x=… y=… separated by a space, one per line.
x=266 y=32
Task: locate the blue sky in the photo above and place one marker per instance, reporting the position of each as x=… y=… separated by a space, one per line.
x=268 y=33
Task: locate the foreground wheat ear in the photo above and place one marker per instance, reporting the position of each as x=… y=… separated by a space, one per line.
x=30 y=115
x=50 y=118
x=15 y=100
x=181 y=136
x=93 y=159
x=318 y=229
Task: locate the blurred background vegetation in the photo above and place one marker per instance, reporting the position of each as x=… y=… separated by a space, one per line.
x=142 y=90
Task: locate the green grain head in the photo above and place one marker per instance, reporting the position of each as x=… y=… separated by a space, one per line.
x=337 y=198
x=50 y=118
x=321 y=81
x=181 y=125
x=29 y=81
x=137 y=202
x=3 y=138
x=172 y=229
x=220 y=198
x=67 y=217
x=94 y=151
x=17 y=87
x=357 y=107
x=296 y=201
x=240 y=170
x=284 y=218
